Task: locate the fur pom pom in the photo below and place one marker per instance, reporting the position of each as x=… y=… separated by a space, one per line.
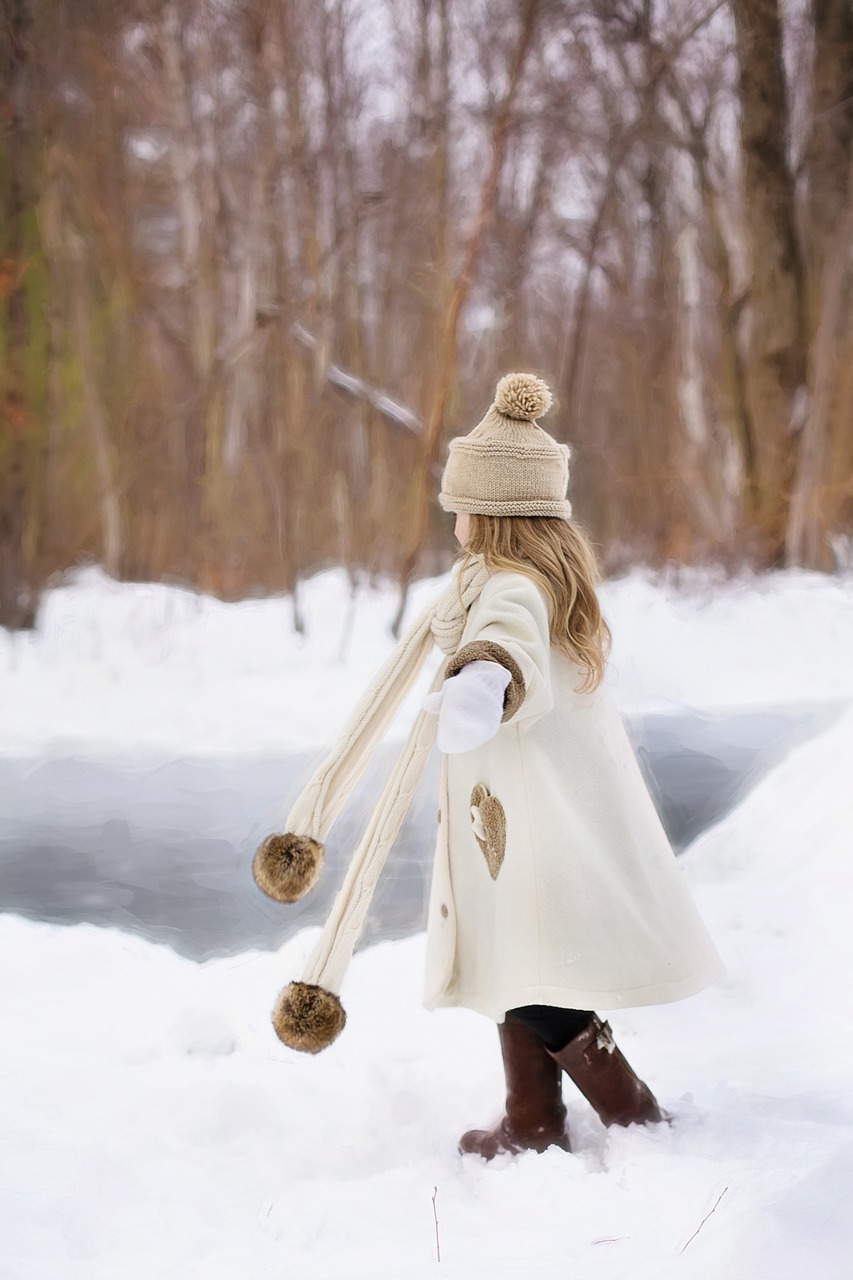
x=523 y=396
x=308 y=1018
x=286 y=866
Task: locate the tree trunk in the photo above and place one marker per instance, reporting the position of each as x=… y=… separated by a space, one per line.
x=108 y=493
x=776 y=373
x=17 y=594
x=197 y=208
x=829 y=229
x=811 y=516
x=828 y=153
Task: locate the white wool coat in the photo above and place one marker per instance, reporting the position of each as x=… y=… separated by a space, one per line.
x=554 y=881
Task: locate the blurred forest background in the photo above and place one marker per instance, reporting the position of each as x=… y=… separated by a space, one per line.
x=261 y=259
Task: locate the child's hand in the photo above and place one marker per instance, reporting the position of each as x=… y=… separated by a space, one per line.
x=469 y=706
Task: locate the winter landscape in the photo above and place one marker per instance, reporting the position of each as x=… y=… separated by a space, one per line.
x=261 y=263
x=153 y=1126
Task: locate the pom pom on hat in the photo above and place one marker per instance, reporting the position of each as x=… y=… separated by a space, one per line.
x=522 y=396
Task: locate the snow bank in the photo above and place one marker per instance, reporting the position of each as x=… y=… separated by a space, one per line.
x=757 y=640
x=151 y=669
x=154 y=1127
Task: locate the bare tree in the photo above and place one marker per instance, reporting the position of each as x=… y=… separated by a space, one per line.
x=260 y=260
x=447 y=354
x=18 y=593
x=776 y=381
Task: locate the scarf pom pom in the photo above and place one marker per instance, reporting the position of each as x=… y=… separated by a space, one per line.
x=307 y=1017
x=286 y=866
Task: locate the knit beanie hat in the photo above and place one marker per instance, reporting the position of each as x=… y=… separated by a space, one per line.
x=507 y=465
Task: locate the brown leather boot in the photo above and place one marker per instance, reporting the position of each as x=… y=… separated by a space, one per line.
x=600 y=1071
x=535 y=1114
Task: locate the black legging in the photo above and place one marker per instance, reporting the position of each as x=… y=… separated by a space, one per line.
x=556 y=1027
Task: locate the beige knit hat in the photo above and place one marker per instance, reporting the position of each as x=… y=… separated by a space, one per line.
x=507 y=465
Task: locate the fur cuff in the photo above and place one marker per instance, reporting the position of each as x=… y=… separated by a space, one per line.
x=286 y=866
x=487 y=650
x=308 y=1018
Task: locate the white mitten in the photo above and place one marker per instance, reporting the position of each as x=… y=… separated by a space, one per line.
x=469 y=706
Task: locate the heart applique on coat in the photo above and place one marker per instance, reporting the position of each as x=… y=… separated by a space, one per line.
x=489 y=825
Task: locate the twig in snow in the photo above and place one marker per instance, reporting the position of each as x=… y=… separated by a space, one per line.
x=435 y=1215
x=705 y=1219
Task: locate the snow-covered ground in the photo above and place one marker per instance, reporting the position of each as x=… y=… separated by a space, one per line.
x=136 y=669
x=152 y=1126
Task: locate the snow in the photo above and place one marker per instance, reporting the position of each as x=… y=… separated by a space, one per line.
x=152 y=1125
x=118 y=668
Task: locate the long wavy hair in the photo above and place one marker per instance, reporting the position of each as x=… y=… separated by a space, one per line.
x=558 y=555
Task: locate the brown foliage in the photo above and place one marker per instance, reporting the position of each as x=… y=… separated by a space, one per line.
x=260 y=261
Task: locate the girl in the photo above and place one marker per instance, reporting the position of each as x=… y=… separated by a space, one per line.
x=555 y=891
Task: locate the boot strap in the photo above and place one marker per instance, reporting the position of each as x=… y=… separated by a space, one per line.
x=604 y=1038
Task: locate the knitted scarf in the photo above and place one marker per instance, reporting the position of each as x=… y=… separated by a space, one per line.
x=308 y=1014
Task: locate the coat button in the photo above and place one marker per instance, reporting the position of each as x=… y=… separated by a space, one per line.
x=444 y=911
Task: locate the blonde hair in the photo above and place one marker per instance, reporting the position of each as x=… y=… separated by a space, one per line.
x=558 y=555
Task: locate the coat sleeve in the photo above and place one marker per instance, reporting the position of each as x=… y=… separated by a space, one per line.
x=509 y=624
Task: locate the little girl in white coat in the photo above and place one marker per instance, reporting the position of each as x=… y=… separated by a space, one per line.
x=555 y=891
